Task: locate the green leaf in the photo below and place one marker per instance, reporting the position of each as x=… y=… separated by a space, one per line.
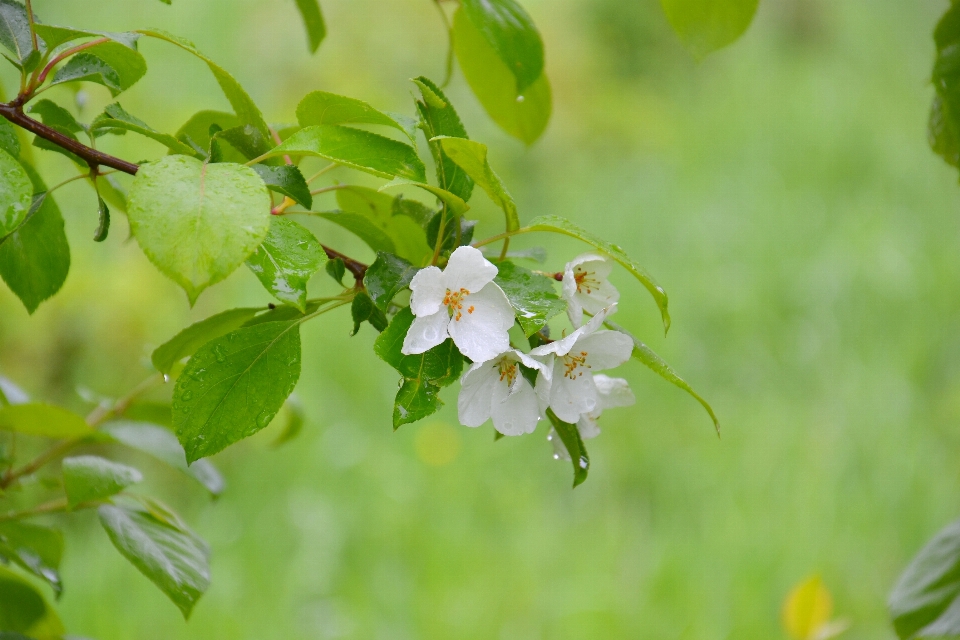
x=570 y=436
x=532 y=296
x=161 y=444
x=15 y=30
x=34 y=548
x=234 y=386
x=423 y=374
x=313 y=21
x=35 y=259
x=15 y=194
x=103 y=228
x=707 y=25
x=472 y=158
x=115 y=119
x=187 y=342
x=408 y=238
x=247 y=111
x=55 y=36
x=286 y=261
x=357 y=149
x=925 y=603
x=24 y=610
x=450 y=239
x=420 y=213
x=455 y=204
x=43 y=420
x=336 y=269
x=386 y=277
x=9 y=141
x=246 y=140
x=169 y=554
x=114 y=65
x=439 y=118
x=510 y=32
x=195 y=133
x=58 y=118
x=944 y=124
x=362 y=309
x=321 y=107
x=292 y=419
x=942 y=131
x=286 y=180
x=556 y=224
x=658 y=365
x=361 y=226
x=89 y=478
x=524 y=115
x=198 y=222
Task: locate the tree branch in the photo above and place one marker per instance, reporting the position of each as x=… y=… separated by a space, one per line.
x=13 y=111
x=357 y=269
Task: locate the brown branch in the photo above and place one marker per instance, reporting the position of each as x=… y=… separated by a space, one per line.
x=358 y=269
x=13 y=111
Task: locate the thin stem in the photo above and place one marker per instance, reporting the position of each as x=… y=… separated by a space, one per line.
x=330 y=188
x=49 y=455
x=441 y=230
x=283 y=206
x=54 y=506
x=63 y=56
x=33 y=32
x=329 y=167
x=102 y=412
x=448 y=74
x=68 y=181
x=502 y=236
x=506 y=245
x=276 y=138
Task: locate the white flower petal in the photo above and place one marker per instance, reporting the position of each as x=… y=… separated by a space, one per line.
x=528 y=362
x=602 y=296
x=587 y=426
x=480 y=328
x=542 y=388
x=606 y=349
x=563 y=346
x=571 y=397
x=468 y=269
x=426 y=332
x=428 y=291
x=476 y=394
x=519 y=412
x=613 y=392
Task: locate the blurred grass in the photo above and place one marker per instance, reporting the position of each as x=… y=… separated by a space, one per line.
x=782 y=192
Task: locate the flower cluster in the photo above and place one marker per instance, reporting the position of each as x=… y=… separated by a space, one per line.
x=512 y=388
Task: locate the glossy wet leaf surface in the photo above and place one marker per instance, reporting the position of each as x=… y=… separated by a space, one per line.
x=287 y=259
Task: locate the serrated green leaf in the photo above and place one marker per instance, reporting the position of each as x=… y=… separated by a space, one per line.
x=24 y=610
x=186 y=343
x=472 y=158
x=54 y=36
x=170 y=555
x=658 y=365
x=313 y=21
x=15 y=30
x=362 y=309
x=925 y=603
x=439 y=118
x=112 y=64
x=35 y=548
x=286 y=180
x=423 y=374
x=510 y=32
x=234 y=386
x=386 y=277
x=246 y=140
x=115 y=119
x=322 y=107
x=195 y=133
x=198 y=222
x=408 y=238
x=161 y=444
x=532 y=296
x=35 y=259
x=357 y=149
x=707 y=25
x=43 y=420
x=89 y=478
x=556 y=224
x=570 y=436
x=246 y=110
x=524 y=115
x=16 y=192
x=286 y=261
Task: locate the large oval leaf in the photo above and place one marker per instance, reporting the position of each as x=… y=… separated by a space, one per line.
x=322 y=107
x=43 y=420
x=509 y=31
x=114 y=65
x=234 y=386
x=925 y=602
x=15 y=194
x=198 y=222
x=24 y=610
x=187 y=342
x=707 y=25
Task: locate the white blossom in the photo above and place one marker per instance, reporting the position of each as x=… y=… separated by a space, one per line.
x=585 y=286
x=497 y=389
x=611 y=392
x=561 y=384
x=461 y=302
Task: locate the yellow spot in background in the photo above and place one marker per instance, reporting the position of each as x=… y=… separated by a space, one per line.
x=437 y=444
x=807 y=610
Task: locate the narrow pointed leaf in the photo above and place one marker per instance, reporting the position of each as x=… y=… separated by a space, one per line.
x=53 y=36
x=43 y=420
x=570 y=436
x=925 y=603
x=532 y=296
x=707 y=25
x=89 y=478
x=510 y=32
x=186 y=343
x=321 y=107
x=472 y=158
x=313 y=21
x=286 y=261
x=115 y=119
x=386 y=277
x=170 y=555
x=234 y=386
x=439 y=118
x=456 y=204
x=286 y=180
x=112 y=64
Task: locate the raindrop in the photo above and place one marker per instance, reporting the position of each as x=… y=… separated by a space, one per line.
x=583 y=463
x=520 y=98
x=556 y=456
x=186 y=395
x=264 y=419
x=166 y=378
x=219 y=355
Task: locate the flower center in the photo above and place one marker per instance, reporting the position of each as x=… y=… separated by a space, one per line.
x=574 y=365
x=586 y=283
x=453 y=300
x=508 y=370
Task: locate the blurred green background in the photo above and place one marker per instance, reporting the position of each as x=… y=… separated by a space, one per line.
x=783 y=193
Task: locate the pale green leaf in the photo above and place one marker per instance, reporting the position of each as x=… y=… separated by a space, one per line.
x=35 y=548
x=24 y=610
x=89 y=478
x=925 y=602
x=313 y=21
x=187 y=342
x=16 y=192
x=472 y=158
x=321 y=107
x=34 y=419
x=115 y=119
x=510 y=32
x=286 y=261
x=114 y=65
x=53 y=36
x=707 y=25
